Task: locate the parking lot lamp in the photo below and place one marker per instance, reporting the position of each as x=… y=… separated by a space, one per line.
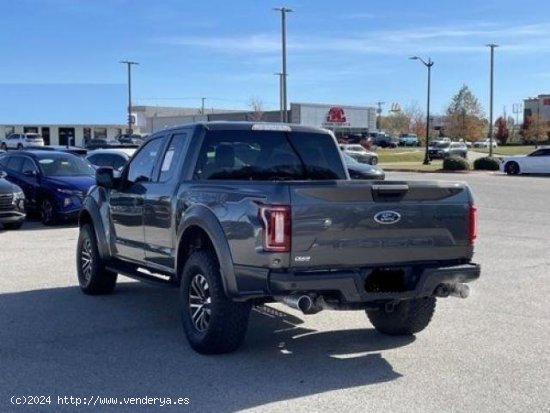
x=130 y=120
x=492 y=46
x=429 y=65
x=284 y=11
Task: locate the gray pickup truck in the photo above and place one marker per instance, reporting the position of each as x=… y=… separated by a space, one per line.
x=238 y=214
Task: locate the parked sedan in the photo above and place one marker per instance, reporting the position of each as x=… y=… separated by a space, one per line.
x=442 y=150
x=484 y=143
x=358 y=170
x=12 y=204
x=54 y=183
x=21 y=140
x=114 y=158
x=537 y=162
x=359 y=153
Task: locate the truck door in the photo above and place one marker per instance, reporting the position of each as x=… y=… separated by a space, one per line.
x=126 y=202
x=160 y=203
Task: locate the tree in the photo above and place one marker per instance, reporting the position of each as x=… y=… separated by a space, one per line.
x=256 y=106
x=502 y=132
x=395 y=123
x=417 y=119
x=464 y=116
x=535 y=129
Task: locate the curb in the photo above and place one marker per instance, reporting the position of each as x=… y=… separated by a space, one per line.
x=439 y=171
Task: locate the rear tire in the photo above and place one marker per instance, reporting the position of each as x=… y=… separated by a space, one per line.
x=4 y=146
x=19 y=146
x=93 y=278
x=212 y=322
x=13 y=225
x=512 y=168
x=408 y=317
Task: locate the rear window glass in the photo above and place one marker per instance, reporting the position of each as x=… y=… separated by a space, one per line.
x=267 y=155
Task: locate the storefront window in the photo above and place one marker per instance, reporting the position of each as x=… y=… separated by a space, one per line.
x=100 y=133
x=87 y=135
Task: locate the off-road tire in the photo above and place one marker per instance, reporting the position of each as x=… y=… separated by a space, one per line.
x=407 y=318
x=13 y=225
x=4 y=146
x=224 y=322
x=93 y=278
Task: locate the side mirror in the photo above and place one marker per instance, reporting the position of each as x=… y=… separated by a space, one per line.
x=105 y=178
x=31 y=174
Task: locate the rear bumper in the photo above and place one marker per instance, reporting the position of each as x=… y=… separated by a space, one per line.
x=349 y=285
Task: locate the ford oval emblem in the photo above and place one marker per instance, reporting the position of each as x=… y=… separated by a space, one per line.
x=387 y=217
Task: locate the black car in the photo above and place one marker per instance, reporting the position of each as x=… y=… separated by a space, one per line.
x=12 y=204
x=54 y=183
x=359 y=170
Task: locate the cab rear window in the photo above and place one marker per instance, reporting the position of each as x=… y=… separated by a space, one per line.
x=268 y=155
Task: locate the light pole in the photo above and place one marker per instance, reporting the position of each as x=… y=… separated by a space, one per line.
x=516 y=108
x=281 y=109
x=429 y=65
x=492 y=46
x=284 y=11
x=129 y=64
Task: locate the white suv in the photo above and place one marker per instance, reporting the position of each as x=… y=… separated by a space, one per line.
x=21 y=140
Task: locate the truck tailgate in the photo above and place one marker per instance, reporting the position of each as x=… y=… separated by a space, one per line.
x=365 y=224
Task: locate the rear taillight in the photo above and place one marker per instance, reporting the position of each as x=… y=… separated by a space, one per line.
x=472 y=223
x=276 y=225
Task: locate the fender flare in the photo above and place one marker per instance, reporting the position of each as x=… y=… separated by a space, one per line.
x=91 y=207
x=203 y=218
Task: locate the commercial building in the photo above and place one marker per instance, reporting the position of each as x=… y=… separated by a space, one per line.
x=61 y=134
x=539 y=106
x=341 y=119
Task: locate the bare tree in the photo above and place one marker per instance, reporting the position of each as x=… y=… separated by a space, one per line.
x=256 y=106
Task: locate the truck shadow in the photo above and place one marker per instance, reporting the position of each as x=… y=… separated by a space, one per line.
x=130 y=344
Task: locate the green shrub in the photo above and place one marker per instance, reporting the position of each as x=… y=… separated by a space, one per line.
x=455 y=163
x=487 y=164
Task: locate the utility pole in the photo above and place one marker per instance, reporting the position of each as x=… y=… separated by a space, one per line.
x=428 y=65
x=492 y=46
x=516 y=108
x=284 y=74
x=130 y=120
x=202 y=105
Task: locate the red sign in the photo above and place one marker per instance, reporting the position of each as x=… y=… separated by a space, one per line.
x=336 y=115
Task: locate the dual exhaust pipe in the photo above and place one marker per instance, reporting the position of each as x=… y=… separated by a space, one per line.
x=454 y=290
x=304 y=303
x=308 y=304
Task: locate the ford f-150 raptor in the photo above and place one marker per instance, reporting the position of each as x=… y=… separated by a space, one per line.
x=238 y=214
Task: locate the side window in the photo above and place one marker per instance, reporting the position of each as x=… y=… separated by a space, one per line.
x=141 y=167
x=537 y=153
x=15 y=163
x=119 y=162
x=173 y=156
x=28 y=166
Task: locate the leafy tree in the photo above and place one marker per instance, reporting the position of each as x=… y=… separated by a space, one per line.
x=535 y=129
x=464 y=116
x=502 y=132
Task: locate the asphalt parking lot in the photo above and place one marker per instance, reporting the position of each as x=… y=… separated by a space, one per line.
x=489 y=353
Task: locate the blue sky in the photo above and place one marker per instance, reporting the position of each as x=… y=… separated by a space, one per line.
x=59 y=58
